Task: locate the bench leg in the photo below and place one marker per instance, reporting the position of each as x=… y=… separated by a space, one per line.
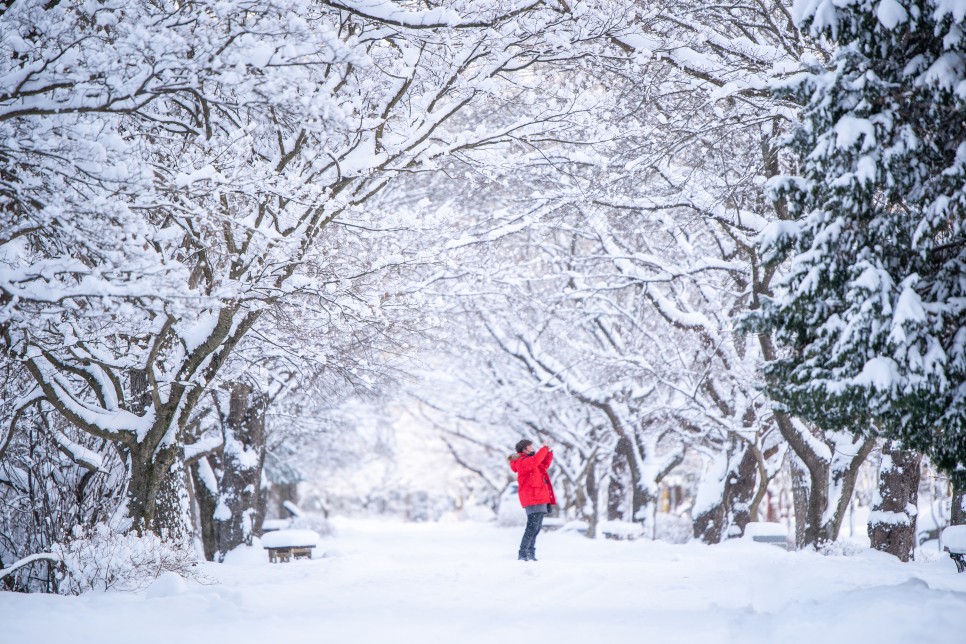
x=959 y=560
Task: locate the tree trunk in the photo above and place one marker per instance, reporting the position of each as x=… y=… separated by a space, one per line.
x=172 y=514
x=729 y=516
x=243 y=456
x=799 y=499
x=958 y=510
x=818 y=512
x=617 y=488
x=742 y=485
x=283 y=493
x=708 y=521
x=892 y=524
x=847 y=459
x=157 y=492
x=593 y=501
x=206 y=496
x=816 y=473
x=644 y=494
x=585 y=496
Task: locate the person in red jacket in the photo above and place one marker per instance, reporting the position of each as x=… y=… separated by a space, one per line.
x=535 y=490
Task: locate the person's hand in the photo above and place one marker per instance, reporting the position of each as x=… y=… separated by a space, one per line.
x=548 y=445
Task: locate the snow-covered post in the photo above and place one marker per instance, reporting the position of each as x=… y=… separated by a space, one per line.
x=892 y=524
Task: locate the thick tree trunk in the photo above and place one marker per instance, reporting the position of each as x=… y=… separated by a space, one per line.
x=157 y=495
x=243 y=456
x=172 y=515
x=892 y=524
x=730 y=515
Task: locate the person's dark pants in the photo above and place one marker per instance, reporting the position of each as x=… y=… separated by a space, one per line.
x=528 y=544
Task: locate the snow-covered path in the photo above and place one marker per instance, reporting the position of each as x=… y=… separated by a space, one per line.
x=459 y=582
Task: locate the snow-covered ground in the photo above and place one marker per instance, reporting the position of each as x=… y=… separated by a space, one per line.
x=387 y=582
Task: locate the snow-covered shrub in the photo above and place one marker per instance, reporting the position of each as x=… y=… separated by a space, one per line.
x=844 y=548
x=673 y=528
x=621 y=530
x=45 y=493
x=311 y=521
x=102 y=559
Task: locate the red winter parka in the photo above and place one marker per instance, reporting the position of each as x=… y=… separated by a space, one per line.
x=534 y=483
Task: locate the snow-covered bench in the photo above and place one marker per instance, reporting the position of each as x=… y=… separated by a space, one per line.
x=954 y=542
x=767 y=532
x=284 y=545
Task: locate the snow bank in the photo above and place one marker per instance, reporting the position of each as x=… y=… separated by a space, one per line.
x=460 y=582
x=253 y=555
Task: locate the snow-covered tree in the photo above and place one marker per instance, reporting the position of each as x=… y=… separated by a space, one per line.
x=173 y=168
x=869 y=314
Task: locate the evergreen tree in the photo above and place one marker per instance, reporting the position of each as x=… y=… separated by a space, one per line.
x=870 y=311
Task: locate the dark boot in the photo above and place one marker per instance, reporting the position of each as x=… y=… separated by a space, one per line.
x=532 y=555
x=523 y=556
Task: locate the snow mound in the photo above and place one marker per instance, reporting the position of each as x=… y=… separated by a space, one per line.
x=168 y=584
x=247 y=555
